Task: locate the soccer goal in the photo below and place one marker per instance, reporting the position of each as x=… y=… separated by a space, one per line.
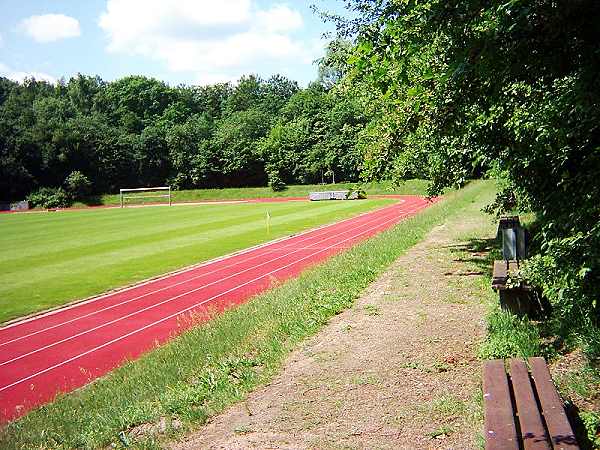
x=144 y=193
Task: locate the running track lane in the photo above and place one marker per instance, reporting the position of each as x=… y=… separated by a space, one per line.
x=67 y=348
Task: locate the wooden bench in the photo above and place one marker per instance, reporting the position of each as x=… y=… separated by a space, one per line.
x=502 y=271
x=523 y=410
x=519 y=298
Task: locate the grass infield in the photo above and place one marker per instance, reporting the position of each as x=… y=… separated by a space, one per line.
x=52 y=258
x=209 y=367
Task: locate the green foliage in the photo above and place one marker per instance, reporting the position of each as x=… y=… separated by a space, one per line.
x=78 y=185
x=456 y=89
x=276 y=183
x=591 y=422
x=510 y=336
x=236 y=140
x=138 y=131
x=49 y=198
x=315 y=138
x=359 y=191
x=334 y=65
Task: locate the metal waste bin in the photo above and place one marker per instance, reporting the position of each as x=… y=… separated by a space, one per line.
x=514 y=238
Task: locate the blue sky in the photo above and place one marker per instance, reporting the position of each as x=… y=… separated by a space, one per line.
x=178 y=41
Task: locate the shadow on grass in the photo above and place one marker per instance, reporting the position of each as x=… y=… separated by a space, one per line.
x=579 y=428
x=477 y=253
x=92 y=200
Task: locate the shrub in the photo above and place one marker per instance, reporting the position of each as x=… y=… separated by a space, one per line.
x=47 y=197
x=359 y=191
x=78 y=185
x=276 y=183
x=591 y=422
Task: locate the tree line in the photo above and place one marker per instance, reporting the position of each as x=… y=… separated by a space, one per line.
x=87 y=136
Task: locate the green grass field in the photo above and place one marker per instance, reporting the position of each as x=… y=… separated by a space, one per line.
x=52 y=258
x=416 y=187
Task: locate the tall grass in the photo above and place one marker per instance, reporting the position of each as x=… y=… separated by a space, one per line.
x=211 y=366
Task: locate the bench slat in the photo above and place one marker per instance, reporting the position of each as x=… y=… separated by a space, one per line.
x=499 y=274
x=500 y=430
x=558 y=425
x=533 y=433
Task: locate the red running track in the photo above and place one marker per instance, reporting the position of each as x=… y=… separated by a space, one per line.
x=67 y=348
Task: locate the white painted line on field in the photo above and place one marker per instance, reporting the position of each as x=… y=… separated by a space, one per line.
x=186 y=269
x=186 y=309
x=189 y=279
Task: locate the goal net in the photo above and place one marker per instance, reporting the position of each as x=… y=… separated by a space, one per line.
x=145 y=195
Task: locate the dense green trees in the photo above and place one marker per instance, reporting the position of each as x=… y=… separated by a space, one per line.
x=314 y=138
x=138 y=131
x=456 y=88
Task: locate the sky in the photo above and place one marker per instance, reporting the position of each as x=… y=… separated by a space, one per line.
x=178 y=41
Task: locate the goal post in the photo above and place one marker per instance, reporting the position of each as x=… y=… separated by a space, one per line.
x=151 y=192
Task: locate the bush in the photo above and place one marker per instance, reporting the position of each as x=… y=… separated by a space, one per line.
x=78 y=185
x=276 y=183
x=591 y=422
x=359 y=191
x=47 y=197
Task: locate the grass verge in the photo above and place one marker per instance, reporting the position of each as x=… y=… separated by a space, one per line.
x=180 y=385
x=410 y=187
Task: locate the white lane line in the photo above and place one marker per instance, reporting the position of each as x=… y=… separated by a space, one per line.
x=138 y=311
x=325 y=228
x=193 y=278
x=190 y=268
x=188 y=309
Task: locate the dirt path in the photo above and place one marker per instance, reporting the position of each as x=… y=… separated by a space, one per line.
x=399 y=370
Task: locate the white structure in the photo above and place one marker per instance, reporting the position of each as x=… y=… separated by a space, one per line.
x=159 y=192
x=333 y=195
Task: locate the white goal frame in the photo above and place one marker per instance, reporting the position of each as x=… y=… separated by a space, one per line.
x=157 y=195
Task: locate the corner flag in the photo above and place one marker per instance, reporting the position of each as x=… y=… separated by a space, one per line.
x=268 y=222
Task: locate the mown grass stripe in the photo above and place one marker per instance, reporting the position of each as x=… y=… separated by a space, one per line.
x=84 y=257
x=125 y=224
x=162 y=248
x=112 y=242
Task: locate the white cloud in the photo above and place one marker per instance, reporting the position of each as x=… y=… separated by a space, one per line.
x=19 y=76
x=216 y=41
x=280 y=18
x=50 y=27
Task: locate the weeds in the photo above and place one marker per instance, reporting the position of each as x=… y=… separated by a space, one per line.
x=441 y=432
x=509 y=335
x=372 y=310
